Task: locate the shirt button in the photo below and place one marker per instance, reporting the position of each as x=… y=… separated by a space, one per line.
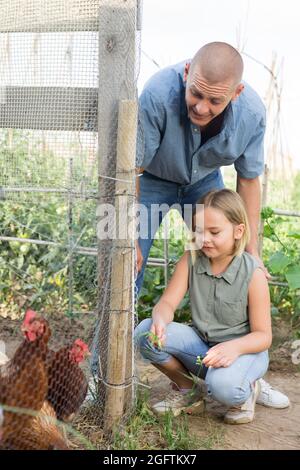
x=195 y=171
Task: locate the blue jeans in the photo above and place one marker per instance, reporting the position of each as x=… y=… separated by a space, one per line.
x=156 y=191
x=228 y=385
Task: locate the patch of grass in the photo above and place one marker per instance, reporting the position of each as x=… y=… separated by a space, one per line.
x=175 y=432
x=146 y=431
x=137 y=433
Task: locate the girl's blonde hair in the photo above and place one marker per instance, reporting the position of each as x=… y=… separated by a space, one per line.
x=231 y=205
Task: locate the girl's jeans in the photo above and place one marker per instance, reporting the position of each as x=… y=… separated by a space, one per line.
x=228 y=385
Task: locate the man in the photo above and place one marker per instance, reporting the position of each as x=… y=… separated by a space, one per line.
x=194 y=118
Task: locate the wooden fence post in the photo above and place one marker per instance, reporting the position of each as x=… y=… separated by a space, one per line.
x=121 y=294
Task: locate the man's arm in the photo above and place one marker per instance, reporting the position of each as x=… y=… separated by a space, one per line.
x=249 y=190
x=150 y=125
x=139 y=171
x=139 y=256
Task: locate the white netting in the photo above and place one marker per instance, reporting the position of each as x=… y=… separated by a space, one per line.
x=66 y=65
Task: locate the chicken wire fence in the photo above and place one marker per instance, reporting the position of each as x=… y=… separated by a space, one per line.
x=68 y=78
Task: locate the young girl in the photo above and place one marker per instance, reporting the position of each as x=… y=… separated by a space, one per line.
x=230 y=307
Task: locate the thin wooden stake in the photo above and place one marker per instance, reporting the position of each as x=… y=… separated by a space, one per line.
x=263 y=204
x=121 y=298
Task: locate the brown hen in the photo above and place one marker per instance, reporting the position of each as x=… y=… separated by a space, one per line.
x=23 y=380
x=67 y=383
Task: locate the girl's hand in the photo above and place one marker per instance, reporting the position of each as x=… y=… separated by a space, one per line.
x=221 y=355
x=158 y=333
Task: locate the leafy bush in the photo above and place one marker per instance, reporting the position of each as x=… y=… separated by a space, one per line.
x=38 y=275
x=282 y=257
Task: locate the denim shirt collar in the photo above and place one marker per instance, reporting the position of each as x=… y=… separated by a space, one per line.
x=229 y=275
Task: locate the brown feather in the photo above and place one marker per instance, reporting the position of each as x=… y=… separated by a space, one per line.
x=67 y=384
x=42 y=433
x=24 y=384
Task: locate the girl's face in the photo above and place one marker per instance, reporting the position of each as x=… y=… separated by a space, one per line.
x=218 y=237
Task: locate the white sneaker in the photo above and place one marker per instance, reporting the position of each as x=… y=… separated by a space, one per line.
x=270 y=397
x=176 y=402
x=242 y=414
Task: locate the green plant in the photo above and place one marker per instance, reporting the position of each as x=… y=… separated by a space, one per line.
x=145 y=431
x=133 y=435
x=283 y=262
x=199 y=361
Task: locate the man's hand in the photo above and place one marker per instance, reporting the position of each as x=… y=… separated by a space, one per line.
x=255 y=254
x=249 y=190
x=221 y=355
x=139 y=257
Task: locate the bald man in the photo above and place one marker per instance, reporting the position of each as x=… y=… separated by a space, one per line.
x=196 y=117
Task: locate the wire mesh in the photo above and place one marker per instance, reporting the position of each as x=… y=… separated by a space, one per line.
x=58 y=167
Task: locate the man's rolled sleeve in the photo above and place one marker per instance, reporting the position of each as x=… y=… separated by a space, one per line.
x=150 y=129
x=251 y=163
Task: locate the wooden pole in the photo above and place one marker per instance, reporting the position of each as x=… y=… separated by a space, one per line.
x=121 y=298
x=263 y=204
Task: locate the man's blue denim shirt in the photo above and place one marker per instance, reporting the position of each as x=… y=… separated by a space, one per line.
x=169 y=143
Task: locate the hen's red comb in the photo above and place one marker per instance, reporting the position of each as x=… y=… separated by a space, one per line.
x=81 y=344
x=29 y=315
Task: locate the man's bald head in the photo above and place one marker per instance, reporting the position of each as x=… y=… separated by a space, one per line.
x=213 y=81
x=218 y=62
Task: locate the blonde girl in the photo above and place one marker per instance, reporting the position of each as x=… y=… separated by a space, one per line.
x=230 y=310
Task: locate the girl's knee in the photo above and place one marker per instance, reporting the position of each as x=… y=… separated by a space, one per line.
x=142 y=328
x=144 y=345
x=141 y=333
x=222 y=388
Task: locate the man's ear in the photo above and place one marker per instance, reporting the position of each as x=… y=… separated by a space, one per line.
x=186 y=71
x=237 y=91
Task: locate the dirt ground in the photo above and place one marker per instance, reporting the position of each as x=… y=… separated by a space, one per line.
x=271 y=429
